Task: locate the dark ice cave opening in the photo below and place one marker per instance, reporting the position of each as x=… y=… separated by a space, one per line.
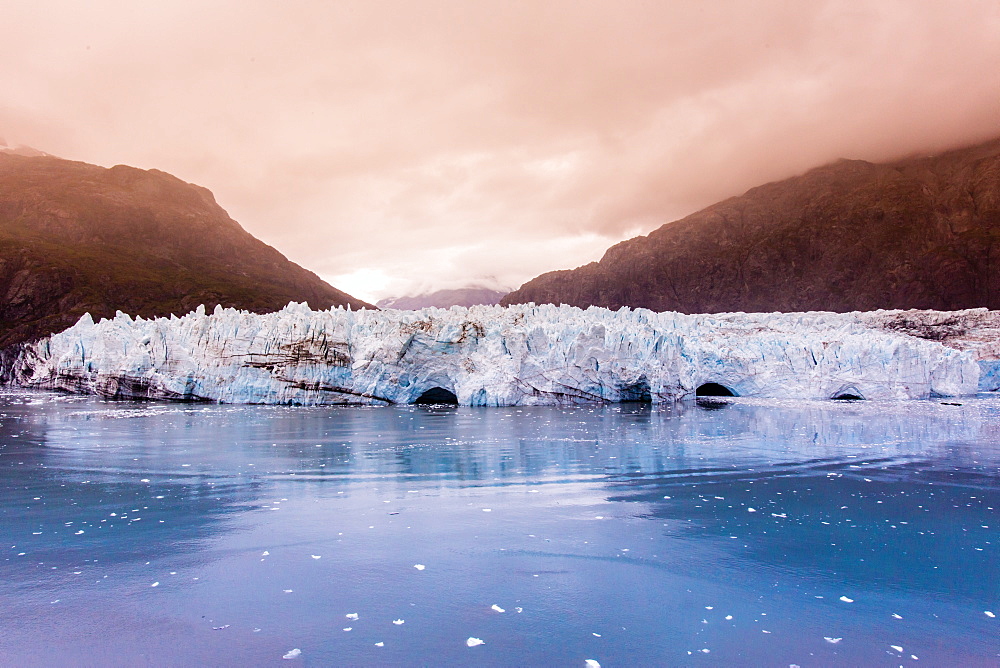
x=437 y=395
x=713 y=390
x=638 y=393
x=848 y=396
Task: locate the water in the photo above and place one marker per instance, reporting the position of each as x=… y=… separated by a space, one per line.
x=758 y=533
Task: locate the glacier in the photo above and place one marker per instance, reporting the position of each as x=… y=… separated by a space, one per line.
x=513 y=356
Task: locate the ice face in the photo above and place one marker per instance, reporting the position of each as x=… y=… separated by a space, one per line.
x=494 y=356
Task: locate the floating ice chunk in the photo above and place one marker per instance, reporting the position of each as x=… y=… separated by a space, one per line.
x=751 y=510
x=729 y=618
x=397 y=622
x=287 y=591
x=846 y=600
x=989 y=614
x=144 y=480
x=497 y=608
x=155 y=584
x=472 y=642
x=487 y=510
x=220 y=628
x=591 y=663
x=316 y=556
x=419 y=567
x=832 y=641
x=518 y=610
x=596 y=635
x=895 y=616
x=897 y=648
x=348 y=628
x=380 y=644
x=265 y=553
x=351 y=615
x=292 y=653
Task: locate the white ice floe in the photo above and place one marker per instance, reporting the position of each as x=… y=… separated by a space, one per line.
x=846 y=600
x=497 y=608
x=419 y=567
x=292 y=653
x=351 y=615
x=832 y=641
x=989 y=614
x=472 y=642
x=495 y=356
x=397 y=622
x=591 y=663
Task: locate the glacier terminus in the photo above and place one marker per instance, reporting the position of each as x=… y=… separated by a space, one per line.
x=514 y=356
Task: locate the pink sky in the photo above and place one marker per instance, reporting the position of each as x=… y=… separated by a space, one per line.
x=399 y=146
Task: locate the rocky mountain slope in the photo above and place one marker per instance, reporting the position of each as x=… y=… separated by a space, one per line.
x=917 y=233
x=78 y=238
x=471 y=296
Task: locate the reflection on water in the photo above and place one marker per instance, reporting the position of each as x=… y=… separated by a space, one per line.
x=747 y=532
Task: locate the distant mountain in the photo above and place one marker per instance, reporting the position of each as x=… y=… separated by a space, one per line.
x=444 y=299
x=916 y=233
x=76 y=238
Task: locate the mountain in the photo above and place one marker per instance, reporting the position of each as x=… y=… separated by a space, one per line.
x=922 y=232
x=78 y=238
x=471 y=296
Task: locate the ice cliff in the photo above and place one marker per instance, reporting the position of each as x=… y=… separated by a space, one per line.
x=495 y=356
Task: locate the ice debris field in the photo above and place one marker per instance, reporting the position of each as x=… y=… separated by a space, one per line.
x=518 y=355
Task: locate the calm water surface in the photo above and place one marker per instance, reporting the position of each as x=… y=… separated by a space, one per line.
x=758 y=533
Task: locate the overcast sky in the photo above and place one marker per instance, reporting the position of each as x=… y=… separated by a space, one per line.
x=398 y=146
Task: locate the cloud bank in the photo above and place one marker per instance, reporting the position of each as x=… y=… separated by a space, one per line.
x=394 y=147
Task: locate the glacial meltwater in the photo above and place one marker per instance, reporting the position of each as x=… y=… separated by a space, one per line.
x=739 y=532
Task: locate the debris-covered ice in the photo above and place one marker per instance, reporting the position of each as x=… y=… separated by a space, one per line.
x=520 y=355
